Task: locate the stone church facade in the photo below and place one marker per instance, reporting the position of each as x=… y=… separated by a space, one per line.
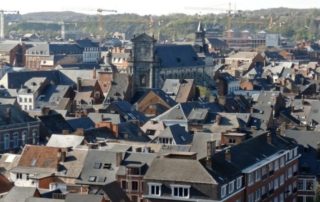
x=150 y=63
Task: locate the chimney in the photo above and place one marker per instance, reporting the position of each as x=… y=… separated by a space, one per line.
x=269 y=138
x=78 y=84
x=94 y=75
x=211 y=149
x=79 y=131
x=227 y=155
x=65 y=132
x=118 y=159
x=45 y=111
x=218 y=119
x=62 y=155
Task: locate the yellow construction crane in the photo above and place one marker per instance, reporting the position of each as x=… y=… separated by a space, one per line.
x=2 y=12
x=100 y=12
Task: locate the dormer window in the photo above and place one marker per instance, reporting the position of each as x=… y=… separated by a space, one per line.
x=223 y=191
x=239 y=182
x=180 y=191
x=231 y=187
x=154 y=189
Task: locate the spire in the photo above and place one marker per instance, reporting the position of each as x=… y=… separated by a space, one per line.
x=200 y=27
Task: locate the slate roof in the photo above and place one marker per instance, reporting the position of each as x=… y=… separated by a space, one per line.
x=108 y=117
x=139 y=159
x=217 y=43
x=83 y=122
x=178 y=89
x=314 y=115
x=83 y=198
x=247 y=154
x=131 y=132
x=172 y=56
x=55 y=49
x=304 y=138
x=19 y=194
x=119 y=87
x=126 y=111
x=87 y=43
x=183 y=171
x=65 y=141
x=17 y=116
x=7 y=46
x=162 y=95
x=55 y=123
x=100 y=168
x=177 y=133
x=114 y=192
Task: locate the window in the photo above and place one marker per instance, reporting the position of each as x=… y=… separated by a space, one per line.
x=300 y=184
x=271 y=168
x=97 y=165
x=6 y=142
x=281 y=179
x=289 y=172
x=282 y=161
x=258 y=194
x=276 y=164
x=24 y=137
x=258 y=175
x=34 y=137
x=134 y=185
x=250 y=178
x=25 y=100
x=19 y=175
x=107 y=166
x=223 y=191
x=264 y=172
x=180 y=191
x=239 y=182
x=15 y=140
x=271 y=186
x=30 y=100
x=155 y=189
x=276 y=183
x=251 y=197
x=295 y=168
x=92 y=178
x=309 y=185
x=124 y=184
x=295 y=151
x=231 y=187
x=27 y=176
x=281 y=197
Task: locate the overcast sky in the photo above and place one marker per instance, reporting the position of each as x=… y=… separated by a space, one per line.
x=149 y=6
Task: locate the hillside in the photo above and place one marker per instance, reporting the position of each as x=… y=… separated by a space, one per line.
x=293 y=23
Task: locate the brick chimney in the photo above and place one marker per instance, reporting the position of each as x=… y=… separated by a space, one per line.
x=211 y=149
x=78 y=84
x=227 y=155
x=269 y=138
x=118 y=159
x=79 y=131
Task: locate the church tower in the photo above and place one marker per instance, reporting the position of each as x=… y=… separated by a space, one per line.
x=200 y=42
x=142 y=62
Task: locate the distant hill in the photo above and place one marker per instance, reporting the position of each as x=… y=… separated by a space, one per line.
x=292 y=23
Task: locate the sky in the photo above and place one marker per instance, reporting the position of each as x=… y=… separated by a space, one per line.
x=146 y=7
